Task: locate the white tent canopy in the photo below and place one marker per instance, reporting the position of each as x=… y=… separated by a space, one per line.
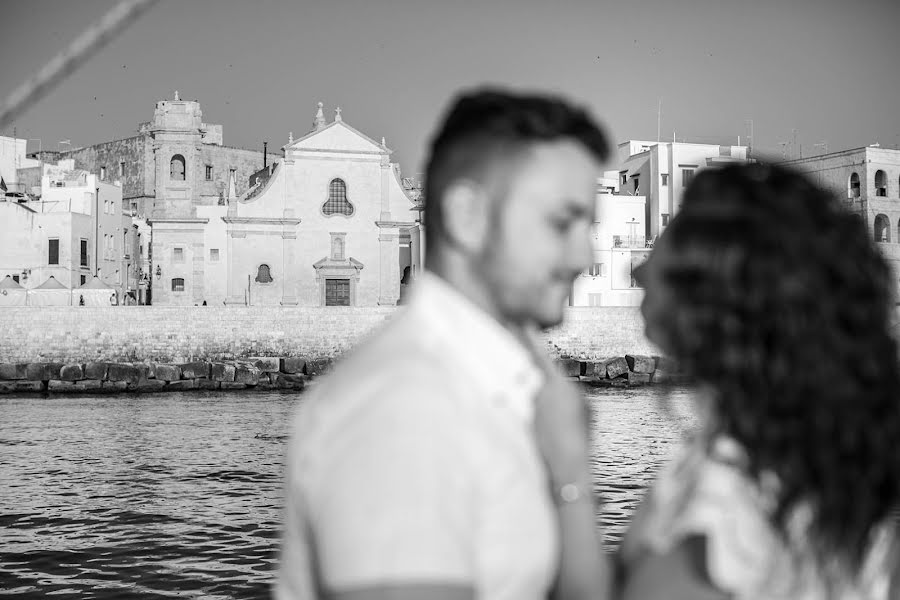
x=50 y=293
x=94 y=292
x=11 y=293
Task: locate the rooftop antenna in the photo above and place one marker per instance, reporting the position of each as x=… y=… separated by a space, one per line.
x=658 y=118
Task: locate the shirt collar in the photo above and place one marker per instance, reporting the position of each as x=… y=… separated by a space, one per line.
x=489 y=352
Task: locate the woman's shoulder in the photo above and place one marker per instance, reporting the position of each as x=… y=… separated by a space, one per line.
x=704 y=492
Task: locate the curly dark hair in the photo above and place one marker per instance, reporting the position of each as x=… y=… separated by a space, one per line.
x=779 y=300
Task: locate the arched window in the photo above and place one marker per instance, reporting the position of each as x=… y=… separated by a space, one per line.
x=337 y=202
x=880 y=183
x=853 y=187
x=176 y=168
x=337 y=249
x=263 y=274
x=882 y=229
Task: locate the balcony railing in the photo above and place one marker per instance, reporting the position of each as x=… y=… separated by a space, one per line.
x=628 y=241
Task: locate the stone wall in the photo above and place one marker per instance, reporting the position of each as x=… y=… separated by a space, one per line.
x=134 y=333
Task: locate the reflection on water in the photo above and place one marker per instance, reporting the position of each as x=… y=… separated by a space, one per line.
x=180 y=495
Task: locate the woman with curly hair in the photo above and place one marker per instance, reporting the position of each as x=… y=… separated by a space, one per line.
x=776 y=302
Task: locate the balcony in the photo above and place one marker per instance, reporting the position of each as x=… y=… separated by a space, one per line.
x=628 y=241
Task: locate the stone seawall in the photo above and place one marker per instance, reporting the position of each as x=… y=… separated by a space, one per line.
x=83 y=334
x=264 y=373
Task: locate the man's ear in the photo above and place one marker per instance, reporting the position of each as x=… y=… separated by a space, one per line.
x=466 y=215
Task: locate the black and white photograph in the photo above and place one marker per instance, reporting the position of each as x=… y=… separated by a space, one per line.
x=473 y=300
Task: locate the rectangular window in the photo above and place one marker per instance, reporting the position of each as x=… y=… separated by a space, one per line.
x=103 y=173
x=623 y=177
x=15 y=278
x=686 y=176
x=112 y=207
x=178 y=255
x=665 y=219
x=178 y=284
x=597 y=270
x=231 y=174
x=121 y=169
x=636 y=181
x=84 y=253
x=213 y=255
x=83 y=279
x=337 y=292
x=595 y=299
x=665 y=179
x=209 y=172
x=134 y=206
x=53 y=252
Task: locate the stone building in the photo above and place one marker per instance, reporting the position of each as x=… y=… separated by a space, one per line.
x=74 y=229
x=175 y=162
x=868 y=179
x=332 y=223
x=660 y=171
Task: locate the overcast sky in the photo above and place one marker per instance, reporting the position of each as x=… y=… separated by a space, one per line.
x=826 y=68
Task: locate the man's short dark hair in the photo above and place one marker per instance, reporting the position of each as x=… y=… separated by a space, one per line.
x=485 y=126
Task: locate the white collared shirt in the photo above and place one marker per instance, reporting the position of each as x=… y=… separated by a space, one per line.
x=414 y=462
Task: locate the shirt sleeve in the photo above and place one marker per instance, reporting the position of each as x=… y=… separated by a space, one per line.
x=392 y=501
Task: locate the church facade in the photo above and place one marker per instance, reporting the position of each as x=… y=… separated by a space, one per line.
x=331 y=223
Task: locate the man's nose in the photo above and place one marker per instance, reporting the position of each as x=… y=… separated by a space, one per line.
x=581 y=253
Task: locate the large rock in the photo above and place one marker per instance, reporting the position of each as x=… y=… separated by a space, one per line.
x=165 y=372
x=55 y=385
x=115 y=386
x=569 y=367
x=246 y=374
x=293 y=365
x=184 y=384
x=266 y=364
x=195 y=370
x=640 y=364
x=318 y=366
x=147 y=385
x=95 y=370
x=231 y=385
x=28 y=386
x=206 y=384
x=223 y=372
x=615 y=367
x=123 y=372
x=72 y=372
x=43 y=371
x=638 y=378
x=11 y=371
x=89 y=386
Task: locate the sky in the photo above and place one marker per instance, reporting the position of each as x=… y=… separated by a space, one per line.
x=824 y=71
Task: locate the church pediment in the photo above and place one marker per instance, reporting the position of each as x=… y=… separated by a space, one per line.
x=330 y=264
x=336 y=136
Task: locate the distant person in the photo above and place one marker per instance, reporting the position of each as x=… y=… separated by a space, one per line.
x=776 y=301
x=414 y=469
x=404 y=286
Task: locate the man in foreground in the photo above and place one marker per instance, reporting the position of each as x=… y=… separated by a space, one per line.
x=438 y=460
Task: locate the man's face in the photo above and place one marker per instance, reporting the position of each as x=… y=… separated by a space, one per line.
x=540 y=235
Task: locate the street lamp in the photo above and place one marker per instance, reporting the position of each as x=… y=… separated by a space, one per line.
x=158 y=272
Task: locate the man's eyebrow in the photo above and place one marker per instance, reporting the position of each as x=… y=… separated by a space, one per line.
x=576 y=209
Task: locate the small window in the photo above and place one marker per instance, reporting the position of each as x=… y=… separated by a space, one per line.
x=665 y=178
x=178 y=255
x=597 y=270
x=106 y=207
x=337 y=292
x=337 y=202
x=53 y=252
x=686 y=176
x=15 y=278
x=178 y=284
x=209 y=172
x=121 y=169
x=177 y=171
x=636 y=182
x=880 y=183
x=263 y=274
x=134 y=206
x=623 y=178
x=213 y=255
x=112 y=207
x=84 y=253
x=853 y=192
x=665 y=219
x=103 y=173
x=337 y=246
x=83 y=279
